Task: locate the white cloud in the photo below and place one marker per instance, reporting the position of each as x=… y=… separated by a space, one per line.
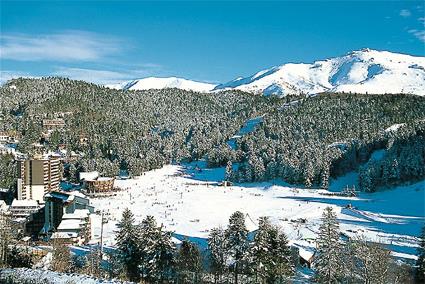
x=422 y=20
x=405 y=13
x=65 y=46
x=419 y=34
x=103 y=77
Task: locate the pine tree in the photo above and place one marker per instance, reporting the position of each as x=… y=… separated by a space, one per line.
x=260 y=257
x=218 y=254
x=148 y=239
x=349 y=262
x=164 y=260
x=189 y=262
x=128 y=244
x=282 y=265
x=229 y=171
x=237 y=242
x=420 y=263
x=157 y=252
x=327 y=260
x=373 y=262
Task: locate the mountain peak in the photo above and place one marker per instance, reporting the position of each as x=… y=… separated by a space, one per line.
x=162 y=83
x=362 y=71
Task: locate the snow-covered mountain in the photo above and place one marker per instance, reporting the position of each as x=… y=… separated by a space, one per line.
x=162 y=83
x=363 y=71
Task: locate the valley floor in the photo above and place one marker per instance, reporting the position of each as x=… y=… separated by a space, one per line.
x=189 y=202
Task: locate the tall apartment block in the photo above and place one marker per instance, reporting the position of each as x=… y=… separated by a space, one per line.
x=38 y=176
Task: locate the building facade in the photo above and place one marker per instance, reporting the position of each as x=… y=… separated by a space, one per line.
x=37 y=177
x=101 y=184
x=59 y=203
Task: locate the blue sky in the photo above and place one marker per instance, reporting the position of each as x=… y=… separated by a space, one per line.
x=108 y=42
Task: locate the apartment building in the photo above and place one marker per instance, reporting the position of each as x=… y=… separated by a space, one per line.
x=37 y=177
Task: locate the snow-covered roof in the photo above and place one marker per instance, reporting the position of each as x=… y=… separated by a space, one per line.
x=70 y=224
x=63 y=235
x=24 y=203
x=305 y=254
x=77 y=193
x=78 y=214
x=104 y=178
x=3 y=206
x=89 y=175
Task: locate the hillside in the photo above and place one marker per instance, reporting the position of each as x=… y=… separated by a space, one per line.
x=135 y=130
x=363 y=71
x=304 y=141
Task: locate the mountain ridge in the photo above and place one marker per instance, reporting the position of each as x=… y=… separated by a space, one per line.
x=163 y=82
x=361 y=71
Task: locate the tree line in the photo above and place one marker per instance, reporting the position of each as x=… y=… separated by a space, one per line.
x=147 y=253
x=319 y=138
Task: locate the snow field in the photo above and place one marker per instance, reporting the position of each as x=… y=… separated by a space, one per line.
x=178 y=198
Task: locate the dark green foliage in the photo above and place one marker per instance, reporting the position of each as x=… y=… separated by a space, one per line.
x=19 y=257
x=128 y=244
x=8 y=172
x=327 y=262
x=305 y=142
x=404 y=160
x=237 y=244
x=217 y=253
x=189 y=263
x=331 y=134
x=269 y=255
x=143 y=129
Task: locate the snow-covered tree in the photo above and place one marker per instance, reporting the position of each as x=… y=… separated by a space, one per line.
x=327 y=262
x=373 y=261
x=260 y=254
x=237 y=243
x=163 y=257
x=229 y=171
x=128 y=244
x=157 y=260
x=189 y=263
x=218 y=253
x=283 y=266
x=92 y=264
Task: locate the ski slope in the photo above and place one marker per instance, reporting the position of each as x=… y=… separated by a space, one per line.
x=189 y=202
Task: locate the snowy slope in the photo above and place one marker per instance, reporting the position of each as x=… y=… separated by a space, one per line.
x=189 y=202
x=363 y=71
x=162 y=83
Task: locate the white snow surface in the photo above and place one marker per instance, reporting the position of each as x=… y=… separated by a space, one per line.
x=363 y=71
x=162 y=83
x=46 y=276
x=189 y=203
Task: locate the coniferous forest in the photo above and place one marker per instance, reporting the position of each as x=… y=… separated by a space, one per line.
x=302 y=140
